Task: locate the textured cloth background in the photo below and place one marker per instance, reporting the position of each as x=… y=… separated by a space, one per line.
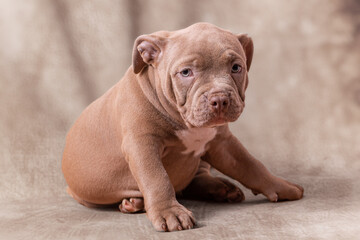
x=302 y=115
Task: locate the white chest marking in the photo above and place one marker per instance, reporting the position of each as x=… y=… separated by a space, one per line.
x=195 y=139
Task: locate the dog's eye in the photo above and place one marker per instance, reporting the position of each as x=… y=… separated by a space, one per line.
x=186 y=72
x=236 y=68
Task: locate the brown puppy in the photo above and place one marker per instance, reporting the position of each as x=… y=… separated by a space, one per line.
x=160 y=128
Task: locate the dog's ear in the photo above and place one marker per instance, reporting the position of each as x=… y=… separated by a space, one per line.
x=248 y=47
x=147 y=51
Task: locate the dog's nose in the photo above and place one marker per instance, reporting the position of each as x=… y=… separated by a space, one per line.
x=219 y=103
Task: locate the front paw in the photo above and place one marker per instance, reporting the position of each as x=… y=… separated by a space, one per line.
x=170 y=216
x=280 y=190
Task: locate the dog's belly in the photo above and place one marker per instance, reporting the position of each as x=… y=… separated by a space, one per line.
x=181 y=168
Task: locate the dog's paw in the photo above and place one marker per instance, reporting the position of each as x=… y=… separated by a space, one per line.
x=282 y=190
x=132 y=205
x=225 y=191
x=170 y=217
x=206 y=187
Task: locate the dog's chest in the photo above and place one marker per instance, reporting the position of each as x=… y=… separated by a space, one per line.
x=195 y=139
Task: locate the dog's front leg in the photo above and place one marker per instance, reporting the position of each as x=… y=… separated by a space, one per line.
x=162 y=208
x=230 y=157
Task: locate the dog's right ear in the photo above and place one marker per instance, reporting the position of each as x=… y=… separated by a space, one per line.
x=147 y=51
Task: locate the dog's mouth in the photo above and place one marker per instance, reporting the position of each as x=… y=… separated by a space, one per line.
x=211 y=121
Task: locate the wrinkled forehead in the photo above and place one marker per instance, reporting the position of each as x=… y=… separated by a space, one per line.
x=210 y=42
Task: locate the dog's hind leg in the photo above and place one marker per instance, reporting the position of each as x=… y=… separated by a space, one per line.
x=206 y=187
x=80 y=200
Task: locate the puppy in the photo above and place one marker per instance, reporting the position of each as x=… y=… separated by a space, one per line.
x=160 y=128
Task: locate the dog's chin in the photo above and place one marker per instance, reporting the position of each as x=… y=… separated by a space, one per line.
x=217 y=122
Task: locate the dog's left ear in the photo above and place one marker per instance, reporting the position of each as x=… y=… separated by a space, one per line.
x=248 y=47
x=147 y=51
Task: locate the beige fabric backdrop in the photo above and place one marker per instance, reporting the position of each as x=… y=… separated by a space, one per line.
x=302 y=117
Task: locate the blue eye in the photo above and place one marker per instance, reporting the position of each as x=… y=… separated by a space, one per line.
x=186 y=72
x=236 y=68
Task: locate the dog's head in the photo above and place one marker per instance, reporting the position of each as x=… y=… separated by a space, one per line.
x=202 y=71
